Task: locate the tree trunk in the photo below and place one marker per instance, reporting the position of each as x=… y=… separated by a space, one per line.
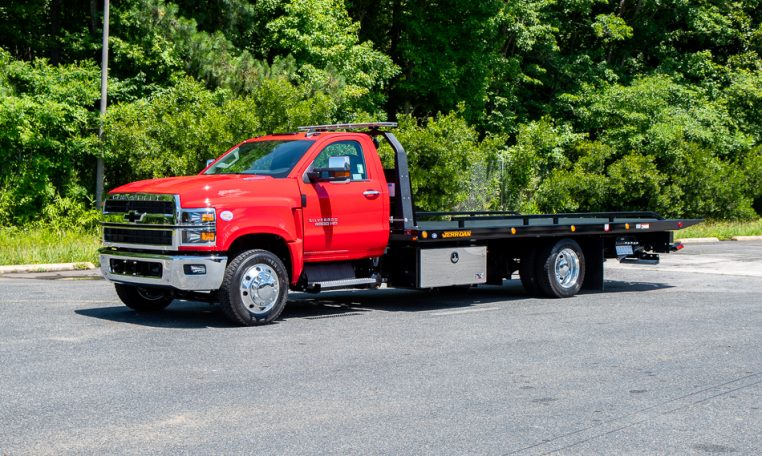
x=94 y=26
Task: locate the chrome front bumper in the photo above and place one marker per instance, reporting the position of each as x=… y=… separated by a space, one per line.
x=182 y=272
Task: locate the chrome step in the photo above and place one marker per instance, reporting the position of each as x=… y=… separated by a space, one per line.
x=344 y=283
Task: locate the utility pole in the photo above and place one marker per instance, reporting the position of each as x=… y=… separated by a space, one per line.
x=104 y=91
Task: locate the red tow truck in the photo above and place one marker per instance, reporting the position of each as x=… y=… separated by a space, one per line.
x=316 y=210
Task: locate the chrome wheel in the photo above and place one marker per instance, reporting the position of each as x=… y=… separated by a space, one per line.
x=567 y=268
x=259 y=288
x=255 y=288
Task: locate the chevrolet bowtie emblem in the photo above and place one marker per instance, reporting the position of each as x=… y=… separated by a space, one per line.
x=134 y=216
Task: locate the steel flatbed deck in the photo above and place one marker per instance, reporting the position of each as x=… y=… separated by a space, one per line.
x=504 y=225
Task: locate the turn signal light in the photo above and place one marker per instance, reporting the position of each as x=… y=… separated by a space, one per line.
x=207 y=236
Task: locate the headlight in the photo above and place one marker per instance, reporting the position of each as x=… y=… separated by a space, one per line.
x=198 y=227
x=197 y=216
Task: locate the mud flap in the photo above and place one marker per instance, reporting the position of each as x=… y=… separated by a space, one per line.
x=593 y=251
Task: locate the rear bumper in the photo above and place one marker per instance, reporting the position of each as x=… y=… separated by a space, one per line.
x=182 y=272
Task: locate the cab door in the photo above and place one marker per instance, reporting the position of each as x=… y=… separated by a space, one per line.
x=346 y=219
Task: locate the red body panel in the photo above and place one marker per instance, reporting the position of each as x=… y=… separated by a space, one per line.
x=357 y=224
x=340 y=221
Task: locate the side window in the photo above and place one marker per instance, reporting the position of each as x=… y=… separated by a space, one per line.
x=351 y=149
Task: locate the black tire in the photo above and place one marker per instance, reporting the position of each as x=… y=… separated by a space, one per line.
x=255 y=288
x=143 y=299
x=566 y=256
x=528 y=273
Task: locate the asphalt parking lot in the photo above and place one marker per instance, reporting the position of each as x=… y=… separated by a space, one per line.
x=667 y=360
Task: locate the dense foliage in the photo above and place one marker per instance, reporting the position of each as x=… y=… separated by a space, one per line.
x=532 y=105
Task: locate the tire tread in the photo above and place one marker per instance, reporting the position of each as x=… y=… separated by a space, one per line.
x=545 y=269
x=228 y=304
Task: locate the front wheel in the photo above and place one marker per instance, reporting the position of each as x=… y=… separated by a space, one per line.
x=143 y=299
x=255 y=288
x=561 y=269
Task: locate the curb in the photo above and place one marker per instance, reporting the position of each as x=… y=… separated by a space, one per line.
x=746 y=238
x=704 y=240
x=54 y=267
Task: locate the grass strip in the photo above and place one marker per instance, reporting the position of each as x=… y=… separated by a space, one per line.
x=722 y=230
x=40 y=245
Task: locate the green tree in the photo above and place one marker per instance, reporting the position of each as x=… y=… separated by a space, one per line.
x=178 y=128
x=444 y=48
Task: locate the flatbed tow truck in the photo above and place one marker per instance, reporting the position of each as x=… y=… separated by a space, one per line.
x=315 y=210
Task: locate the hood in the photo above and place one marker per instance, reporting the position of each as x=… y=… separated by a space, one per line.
x=214 y=190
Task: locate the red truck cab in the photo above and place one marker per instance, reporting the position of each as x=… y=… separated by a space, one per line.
x=275 y=192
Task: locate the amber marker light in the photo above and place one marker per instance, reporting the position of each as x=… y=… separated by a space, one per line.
x=573 y=228
x=626 y=226
x=207 y=217
x=207 y=236
x=425 y=234
x=513 y=230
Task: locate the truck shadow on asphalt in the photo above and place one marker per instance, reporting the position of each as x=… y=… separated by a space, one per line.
x=350 y=303
x=179 y=315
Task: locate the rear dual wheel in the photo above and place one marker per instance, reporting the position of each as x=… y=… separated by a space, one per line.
x=556 y=271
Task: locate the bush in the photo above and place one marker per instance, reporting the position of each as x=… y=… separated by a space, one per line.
x=443 y=155
x=656 y=145
x=176 y=130
x=47 y=134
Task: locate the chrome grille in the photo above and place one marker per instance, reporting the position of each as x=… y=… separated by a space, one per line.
x=137 y=236
x=141 y=220
x=150 y=207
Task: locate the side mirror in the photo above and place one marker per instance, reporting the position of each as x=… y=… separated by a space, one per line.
x=338 y=170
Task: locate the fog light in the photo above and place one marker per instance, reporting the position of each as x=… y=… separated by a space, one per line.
x=194 y=269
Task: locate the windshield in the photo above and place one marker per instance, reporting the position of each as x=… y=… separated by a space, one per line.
x=268 y=158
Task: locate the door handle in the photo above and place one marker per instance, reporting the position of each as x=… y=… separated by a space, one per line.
x=371 y=193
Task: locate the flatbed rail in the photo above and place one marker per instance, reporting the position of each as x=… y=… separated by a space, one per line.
x=460 y=226
x=526 y=219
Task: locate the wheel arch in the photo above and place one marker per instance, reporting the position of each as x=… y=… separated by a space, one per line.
x=270 y=242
